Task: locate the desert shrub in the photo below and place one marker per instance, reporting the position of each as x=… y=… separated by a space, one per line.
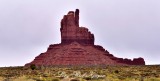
x=116 y=71
x=33 y=66
x=74 y=80
x=87 y=78
x=55 y=79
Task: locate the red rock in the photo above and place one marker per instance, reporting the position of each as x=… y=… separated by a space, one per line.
x=70 y=30
x=138 y=61
x=77 y=48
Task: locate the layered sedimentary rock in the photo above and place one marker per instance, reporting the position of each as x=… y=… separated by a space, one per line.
x=70 y=30
x=77 y=48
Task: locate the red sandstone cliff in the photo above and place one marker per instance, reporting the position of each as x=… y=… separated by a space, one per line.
x=77 y=48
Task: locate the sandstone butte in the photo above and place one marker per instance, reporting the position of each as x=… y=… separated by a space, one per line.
x=77 y=48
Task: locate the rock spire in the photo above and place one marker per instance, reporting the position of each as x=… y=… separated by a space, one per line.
x=70 y=30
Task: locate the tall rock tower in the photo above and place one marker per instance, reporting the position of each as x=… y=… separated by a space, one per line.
x=70 y=30
x=77 y=48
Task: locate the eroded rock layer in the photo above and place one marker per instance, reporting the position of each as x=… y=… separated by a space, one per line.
x=77 y=48
x=70 y=30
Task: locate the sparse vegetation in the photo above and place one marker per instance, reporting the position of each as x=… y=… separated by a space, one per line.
x=107 y=73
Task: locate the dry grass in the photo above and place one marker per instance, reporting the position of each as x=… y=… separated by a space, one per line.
x=1 y=79
x=23 y=78
x=107 y=73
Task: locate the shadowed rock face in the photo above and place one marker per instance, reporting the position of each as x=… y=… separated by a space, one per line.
x=77 y=48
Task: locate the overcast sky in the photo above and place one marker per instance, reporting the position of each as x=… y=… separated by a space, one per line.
x=126 y=28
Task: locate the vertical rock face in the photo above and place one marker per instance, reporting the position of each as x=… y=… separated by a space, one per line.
x=77 y=48
x=70 y=30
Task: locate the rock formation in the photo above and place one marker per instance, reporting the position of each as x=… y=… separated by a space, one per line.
x=70 y=30
x=77 y=48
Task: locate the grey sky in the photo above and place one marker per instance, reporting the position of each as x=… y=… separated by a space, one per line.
x=126 y=28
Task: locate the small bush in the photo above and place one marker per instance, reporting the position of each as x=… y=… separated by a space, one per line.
x=74 y=80
x=55 y=79
x=116 y=71
x=33 y=66
x=88 y=78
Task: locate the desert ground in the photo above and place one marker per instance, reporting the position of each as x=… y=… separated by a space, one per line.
x=81 y=73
